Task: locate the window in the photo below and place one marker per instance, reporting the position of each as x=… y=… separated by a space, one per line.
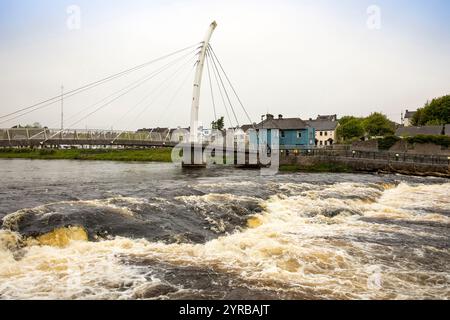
x=299 y=134
x=282 y=133
x=321 y=143
x=326 y=133
x=321 y=133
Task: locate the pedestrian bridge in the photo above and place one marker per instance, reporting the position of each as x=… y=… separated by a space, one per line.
x=35 y=137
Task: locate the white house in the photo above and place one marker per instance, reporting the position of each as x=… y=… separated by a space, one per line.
x=408 y=118
x=325 y=127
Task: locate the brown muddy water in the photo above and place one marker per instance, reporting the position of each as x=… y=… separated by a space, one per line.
x=109 y=230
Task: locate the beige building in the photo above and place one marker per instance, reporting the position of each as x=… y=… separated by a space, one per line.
x=325 y=127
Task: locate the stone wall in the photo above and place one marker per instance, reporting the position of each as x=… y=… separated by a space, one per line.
x=428 y=148
x=369 y=145
x=402 y=146
x=369 y=165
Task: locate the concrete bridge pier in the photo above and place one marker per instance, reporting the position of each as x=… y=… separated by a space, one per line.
x=194 y=156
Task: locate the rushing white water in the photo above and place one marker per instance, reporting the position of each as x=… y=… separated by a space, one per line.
x=345 y=240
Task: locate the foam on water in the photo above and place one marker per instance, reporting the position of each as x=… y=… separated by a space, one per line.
x=342 y=240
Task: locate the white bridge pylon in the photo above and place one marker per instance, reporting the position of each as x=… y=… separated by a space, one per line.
x=193 y=155
x=198 y=83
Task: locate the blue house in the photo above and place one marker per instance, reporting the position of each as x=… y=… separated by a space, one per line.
x=293 y=133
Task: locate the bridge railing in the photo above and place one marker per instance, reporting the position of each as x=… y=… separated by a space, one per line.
x=43 y=134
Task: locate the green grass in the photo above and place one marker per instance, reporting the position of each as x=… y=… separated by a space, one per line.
x=157 y=154
x=316 y=168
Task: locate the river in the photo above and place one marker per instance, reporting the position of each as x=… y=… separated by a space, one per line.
x=113 y=230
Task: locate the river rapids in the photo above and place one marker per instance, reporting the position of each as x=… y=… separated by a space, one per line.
x=91 y=230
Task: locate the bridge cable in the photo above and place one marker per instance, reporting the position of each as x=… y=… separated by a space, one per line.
x=220 y=91
x=226 y=92
x=161 y=83
x=109 y=102
x=169 y=104
x=142 y=79
x=212 y=93
x=172 y=77
x=177 y=91
x=138 y=82
x=232 y=87
x=91 y=85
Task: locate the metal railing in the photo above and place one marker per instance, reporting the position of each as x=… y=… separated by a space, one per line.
x=44 y=134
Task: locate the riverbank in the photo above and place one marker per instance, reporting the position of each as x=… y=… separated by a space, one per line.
x=306 y=165
x=156 y=154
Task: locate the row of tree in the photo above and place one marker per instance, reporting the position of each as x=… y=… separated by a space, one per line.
x=436 y=112
x=375 y=125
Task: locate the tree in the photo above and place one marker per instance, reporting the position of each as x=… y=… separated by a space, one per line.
x=377 y=124
x=351 y=128
x=219 y=124
x=436 y=112
x=346 y=119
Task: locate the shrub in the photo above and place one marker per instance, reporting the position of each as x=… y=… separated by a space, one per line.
x=436 y=139
x=387 y=142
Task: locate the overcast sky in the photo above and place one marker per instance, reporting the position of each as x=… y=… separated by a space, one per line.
x=297 y=58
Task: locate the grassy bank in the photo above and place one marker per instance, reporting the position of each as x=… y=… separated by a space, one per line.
x=157 y=154
x=319 y=167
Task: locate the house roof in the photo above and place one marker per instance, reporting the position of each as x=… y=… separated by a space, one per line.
x=282 y=124
x=323 y=125
x=332 y=117
x=409 y=114
x=246 y=127
x=414 y=131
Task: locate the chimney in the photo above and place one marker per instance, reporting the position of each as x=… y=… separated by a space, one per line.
x=269 y=116
x=280 y=116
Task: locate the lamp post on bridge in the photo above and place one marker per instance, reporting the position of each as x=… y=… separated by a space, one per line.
x=62 y=111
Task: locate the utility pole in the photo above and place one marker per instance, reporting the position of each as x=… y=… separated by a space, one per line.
x=62 y=108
